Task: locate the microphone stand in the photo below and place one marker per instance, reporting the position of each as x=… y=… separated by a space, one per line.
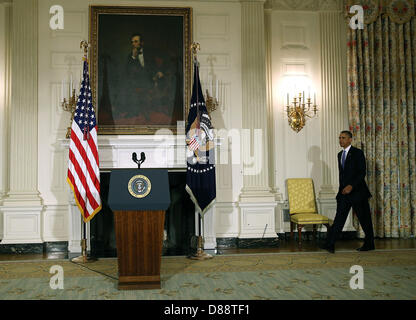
x=138 y=162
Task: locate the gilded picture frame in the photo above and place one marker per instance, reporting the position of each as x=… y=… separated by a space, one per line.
x=140 y=67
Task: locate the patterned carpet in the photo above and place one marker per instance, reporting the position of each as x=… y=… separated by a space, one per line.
x=310 y=276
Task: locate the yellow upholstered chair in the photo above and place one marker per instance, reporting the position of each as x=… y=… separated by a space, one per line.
x=302 y=206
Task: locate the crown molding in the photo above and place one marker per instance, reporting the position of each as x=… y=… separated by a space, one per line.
x=305 y=5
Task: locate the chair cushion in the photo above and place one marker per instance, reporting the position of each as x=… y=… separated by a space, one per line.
x=308 y=218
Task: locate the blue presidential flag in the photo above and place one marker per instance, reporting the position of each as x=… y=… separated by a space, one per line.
x=200 y=177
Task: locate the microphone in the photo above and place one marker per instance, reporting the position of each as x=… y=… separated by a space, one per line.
x=142 y=158
x=134 y=157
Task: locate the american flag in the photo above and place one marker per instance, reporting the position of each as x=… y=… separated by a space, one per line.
x=83 y=167
x=194 y=143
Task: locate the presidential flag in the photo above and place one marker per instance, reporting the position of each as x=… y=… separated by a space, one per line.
x=83 y=167
x=200 y=176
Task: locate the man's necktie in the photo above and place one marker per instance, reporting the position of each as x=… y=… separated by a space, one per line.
x=343 y=159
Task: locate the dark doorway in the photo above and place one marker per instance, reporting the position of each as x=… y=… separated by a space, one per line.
x=179 y=221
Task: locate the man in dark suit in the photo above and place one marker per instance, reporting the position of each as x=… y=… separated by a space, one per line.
x=143 y=79
x=353 y=192
x=141 y=65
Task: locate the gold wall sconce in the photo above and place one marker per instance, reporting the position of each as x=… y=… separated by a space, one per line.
x=211 y=102
x=299 y=110
x=70 y=105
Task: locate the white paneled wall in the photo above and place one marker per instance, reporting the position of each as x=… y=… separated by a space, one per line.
x=307 y=40
x=216 y=26
x=295 y=48
x=293 y=45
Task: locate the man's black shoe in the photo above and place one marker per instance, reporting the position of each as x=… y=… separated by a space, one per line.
x=366 y=248
x=330 y=249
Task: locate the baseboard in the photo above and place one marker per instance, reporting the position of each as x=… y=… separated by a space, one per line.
x=35 y=248
x=22 y=248
x=308 y=235
x=222 y=243
x=247 y=243
x=240 y=243
x=56 y=246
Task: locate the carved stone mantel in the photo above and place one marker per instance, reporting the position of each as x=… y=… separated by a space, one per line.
x=115 y=152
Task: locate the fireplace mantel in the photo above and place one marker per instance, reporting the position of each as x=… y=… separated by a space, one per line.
x=162 y=151
x=115 y=152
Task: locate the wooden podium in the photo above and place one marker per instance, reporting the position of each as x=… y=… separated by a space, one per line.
x=139 y=199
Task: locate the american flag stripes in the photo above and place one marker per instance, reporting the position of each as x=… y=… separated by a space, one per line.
x=194 y=143
x=83 y=166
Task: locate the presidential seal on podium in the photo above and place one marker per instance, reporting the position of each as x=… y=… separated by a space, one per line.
x=139 y=186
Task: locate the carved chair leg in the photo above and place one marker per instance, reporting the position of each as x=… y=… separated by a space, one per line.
x=291 y=230
x=300 y=234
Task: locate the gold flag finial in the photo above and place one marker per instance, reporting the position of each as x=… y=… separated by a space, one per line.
x=84 y=44
x=195 y=47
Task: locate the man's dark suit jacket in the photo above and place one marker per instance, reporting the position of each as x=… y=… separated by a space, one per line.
x=353 y=174
x=138 y=76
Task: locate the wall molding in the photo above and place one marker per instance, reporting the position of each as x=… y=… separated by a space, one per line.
x=257 y=220
x=305 y=5
x=21 y=224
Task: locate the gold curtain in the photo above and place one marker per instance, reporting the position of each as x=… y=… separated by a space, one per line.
x=382 y=107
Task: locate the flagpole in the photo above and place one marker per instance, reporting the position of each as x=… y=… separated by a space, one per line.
x=200 y=254
x=84 y=258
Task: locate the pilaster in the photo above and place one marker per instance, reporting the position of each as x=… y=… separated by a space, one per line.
x=22 y=206
x=334 y=106
x=334 y=111
x=5 y=94
x=257 y=202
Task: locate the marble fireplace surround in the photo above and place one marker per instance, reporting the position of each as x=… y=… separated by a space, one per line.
x=115 y=152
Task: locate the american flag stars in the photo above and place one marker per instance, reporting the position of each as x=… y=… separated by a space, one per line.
x=86 y=117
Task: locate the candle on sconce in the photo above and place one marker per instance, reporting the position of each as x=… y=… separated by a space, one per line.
x=309 y=92
x=288 y=99
x=314 y=99
x=62 y=90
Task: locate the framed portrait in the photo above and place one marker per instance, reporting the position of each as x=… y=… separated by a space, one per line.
x=140 y=67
